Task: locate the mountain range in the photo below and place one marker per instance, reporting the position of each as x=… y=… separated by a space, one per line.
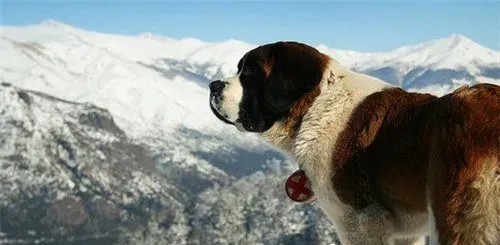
x=108 y=139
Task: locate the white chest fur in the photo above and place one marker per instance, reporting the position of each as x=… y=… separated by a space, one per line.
x=315 y=143
x=327 y=117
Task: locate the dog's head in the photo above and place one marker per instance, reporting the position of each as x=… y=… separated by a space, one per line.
x=272 y=84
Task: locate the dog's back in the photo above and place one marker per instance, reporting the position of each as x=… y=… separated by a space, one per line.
x=464 y=170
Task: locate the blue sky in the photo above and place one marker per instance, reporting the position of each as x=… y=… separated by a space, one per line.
x=356 y=25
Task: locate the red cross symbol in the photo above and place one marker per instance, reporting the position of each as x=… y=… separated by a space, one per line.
x=298 y=187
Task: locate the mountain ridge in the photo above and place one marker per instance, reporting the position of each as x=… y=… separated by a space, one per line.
x=455 y=40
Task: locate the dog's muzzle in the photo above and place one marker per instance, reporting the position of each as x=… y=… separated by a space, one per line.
x=216 y=89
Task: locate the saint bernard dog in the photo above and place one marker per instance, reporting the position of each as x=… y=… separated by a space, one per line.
x=387 y=166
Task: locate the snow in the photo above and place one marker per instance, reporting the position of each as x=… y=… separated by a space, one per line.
x=103 y=69
x=455 y=51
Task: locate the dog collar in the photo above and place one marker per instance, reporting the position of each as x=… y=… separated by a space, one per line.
x=298 y=187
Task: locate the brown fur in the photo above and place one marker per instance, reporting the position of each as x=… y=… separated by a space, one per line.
x=299 y=109
x=380 y=154
x=466 y=136
x=394 y=136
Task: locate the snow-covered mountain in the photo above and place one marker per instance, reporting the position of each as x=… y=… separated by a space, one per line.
x=68 y=172
x=135 y=77
x=436 y=67
x=112 y=72
x=108 y=139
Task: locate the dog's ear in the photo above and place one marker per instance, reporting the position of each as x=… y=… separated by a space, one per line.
x=294 y=69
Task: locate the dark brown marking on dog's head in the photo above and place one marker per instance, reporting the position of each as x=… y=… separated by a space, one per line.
x=280 y=81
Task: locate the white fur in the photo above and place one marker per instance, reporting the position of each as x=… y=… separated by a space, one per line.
x=321 y=125
x=433 y=234
x=232 y=95
x=231 y=98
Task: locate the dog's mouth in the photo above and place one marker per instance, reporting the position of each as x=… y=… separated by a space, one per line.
x=215 y=107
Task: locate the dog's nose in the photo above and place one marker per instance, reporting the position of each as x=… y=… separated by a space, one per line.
x=217 y=86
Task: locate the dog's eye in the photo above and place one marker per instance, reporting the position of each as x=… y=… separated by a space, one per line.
x=248 y=71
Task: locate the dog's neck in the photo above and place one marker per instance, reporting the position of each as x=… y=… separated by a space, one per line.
x=341 y=90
